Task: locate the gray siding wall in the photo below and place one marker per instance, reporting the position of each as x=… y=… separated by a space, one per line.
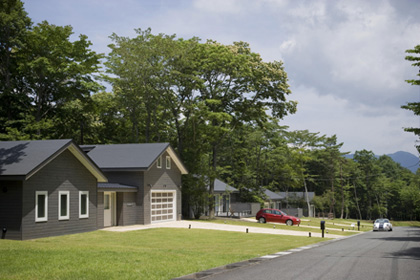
x=130 y=209
x=134 y=208
x=11 y=209
x=100 y=211
x=163 y=179
x=64 y=173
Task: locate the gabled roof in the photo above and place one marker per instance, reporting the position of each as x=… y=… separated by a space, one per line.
x=19 y=160
x=220 y=186
x=272 y=195
x=130 y=157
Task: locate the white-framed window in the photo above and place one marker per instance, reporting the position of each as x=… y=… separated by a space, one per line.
x=168 y=162
x=83 y=204
x=63 y=205
x=41 y=206
x=159 y=162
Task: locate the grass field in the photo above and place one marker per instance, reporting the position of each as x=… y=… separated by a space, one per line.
x=146 y=254
x=160 y=253
x=405 y=223
x=335 y=226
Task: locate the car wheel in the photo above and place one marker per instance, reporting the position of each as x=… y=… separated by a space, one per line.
x=289 y=222
x=261 y=220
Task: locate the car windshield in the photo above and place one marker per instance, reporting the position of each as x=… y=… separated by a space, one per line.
x=382 y=221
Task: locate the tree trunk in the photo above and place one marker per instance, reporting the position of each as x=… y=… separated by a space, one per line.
x=342 y=192
x=212 y=179
x=357 y=202
x=332 y=197
x=310 y=214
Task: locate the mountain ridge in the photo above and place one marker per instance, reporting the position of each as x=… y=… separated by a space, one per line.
x=405 y=159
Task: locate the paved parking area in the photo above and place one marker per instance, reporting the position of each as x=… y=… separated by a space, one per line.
x=214 y=226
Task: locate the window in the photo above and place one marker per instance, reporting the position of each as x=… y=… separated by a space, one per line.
x=63 y=205
x=159 y=162
x=41 y=206
x=107 y=202
x=83 y=204
x=168 y=162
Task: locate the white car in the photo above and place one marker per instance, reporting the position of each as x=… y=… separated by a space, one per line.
x=382 y=224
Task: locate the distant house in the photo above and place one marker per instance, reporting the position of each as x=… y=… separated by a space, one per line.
x=294 y=203
x=273 y=200
x=228 y=202
x=144 y=183
x=47 y=188
x=224 y=196
x=295 y=197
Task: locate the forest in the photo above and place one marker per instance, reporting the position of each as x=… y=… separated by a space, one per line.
x=219 y=106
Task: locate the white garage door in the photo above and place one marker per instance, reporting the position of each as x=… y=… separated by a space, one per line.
x=163 y=206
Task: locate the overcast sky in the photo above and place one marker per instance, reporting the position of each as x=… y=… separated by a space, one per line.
x=344 y=59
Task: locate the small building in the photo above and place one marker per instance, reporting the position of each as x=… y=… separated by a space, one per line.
x=47 y=188
x=144 y=183
x=272 y=200
x=294 y=203
x=224 y=196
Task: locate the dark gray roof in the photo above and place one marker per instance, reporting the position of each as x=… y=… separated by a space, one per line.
x=272 y=195
x=21 y=159
x=126 y=156
x=220 y=186
x=116 y=187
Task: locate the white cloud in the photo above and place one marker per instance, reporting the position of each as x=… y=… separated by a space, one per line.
x=344 y=59
x=331 y=115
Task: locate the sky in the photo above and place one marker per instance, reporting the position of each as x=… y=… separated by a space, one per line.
x=345 y=59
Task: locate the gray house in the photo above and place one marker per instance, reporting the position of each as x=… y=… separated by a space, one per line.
x=273 y=200
x=228 y=202
x=47 y=188
x=224 y=196
x=144 y=183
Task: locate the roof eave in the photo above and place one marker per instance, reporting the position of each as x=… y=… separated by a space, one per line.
x=177 y=160
x=87 y=162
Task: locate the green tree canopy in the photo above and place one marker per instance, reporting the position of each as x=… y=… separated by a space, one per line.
x=414 y=106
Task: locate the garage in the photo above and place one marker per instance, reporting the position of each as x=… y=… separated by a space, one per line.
x=163 y=206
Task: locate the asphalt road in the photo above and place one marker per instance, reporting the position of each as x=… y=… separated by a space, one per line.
x=372 y=255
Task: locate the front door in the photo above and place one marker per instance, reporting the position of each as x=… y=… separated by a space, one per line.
x=109 y=209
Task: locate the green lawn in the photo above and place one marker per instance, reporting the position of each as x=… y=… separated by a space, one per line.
x=145 y=254
x=405 y=223
x=307 y=225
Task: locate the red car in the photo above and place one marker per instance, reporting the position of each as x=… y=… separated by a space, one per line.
x=276 y=216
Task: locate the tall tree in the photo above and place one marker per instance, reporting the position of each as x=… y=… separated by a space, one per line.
x=238 y=87
x=303 y=144
x=139 y=66
x=331 y=158
x=370 y=174
x=14 y=27
x=57 y=71
x=414 y=106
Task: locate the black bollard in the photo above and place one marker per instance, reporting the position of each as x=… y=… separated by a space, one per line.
x=322 y=228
